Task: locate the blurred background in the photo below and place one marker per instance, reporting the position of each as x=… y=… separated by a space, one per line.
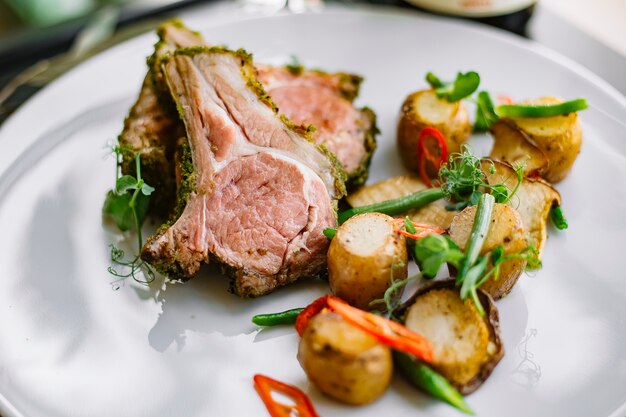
x=41 y=39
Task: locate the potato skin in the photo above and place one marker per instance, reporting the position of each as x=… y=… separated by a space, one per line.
x=423 y=108
x=507 y=230
x=363 y=257
x=559 y=137
x=343 y=361
x=516 y=147
x=495 y=348
x=533 y=200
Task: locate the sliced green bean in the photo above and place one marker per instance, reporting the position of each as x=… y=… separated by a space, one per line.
x=480 y=228
x=329 y=232
x=558 y=218
x=275 y=319
x=425 y=378
x=397 y=205
x=541 y=110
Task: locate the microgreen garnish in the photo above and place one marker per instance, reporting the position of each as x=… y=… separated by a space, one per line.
x=433 y=251
x=461 y=181
x=392 y=297
x=463 y=86
x=485 y=112
x=127 y=205
x=294 y=66
x=530 y=254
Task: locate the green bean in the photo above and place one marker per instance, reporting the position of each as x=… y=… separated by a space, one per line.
x=275 y=319
x=541 y=110
x=397 y=205
x=329 y=232
x=422 y=376
x=558 y=218
x=480 y=228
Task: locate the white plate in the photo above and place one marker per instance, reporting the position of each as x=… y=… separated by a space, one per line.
x=72 y=346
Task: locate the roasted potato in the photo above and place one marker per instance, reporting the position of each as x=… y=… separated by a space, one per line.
x=515 y=147
x=507 y=230
x=423 y=108
x=533 y=201
x=466 y=345
x=363 y=258
x=559 y=137
x=343 y=361
x=434 y=214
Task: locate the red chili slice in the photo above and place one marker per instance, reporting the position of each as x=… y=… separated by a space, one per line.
x=433 y=155
x=309 y=311
x=264 y=385
x=386 y=331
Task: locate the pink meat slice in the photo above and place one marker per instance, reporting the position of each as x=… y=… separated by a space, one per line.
x=319 y=98
x=263 y=192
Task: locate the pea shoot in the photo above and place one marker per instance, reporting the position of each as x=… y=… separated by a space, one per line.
x=127 y=205
x=485 y=112
x=461 y=182
x=463 y=85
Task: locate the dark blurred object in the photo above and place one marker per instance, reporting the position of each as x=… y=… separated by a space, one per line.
x=516 y=22
x=511 y=15
x=22 y=48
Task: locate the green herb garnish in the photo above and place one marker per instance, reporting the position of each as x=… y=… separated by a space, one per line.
x=463 y=86
x=485 y=112
x=462 y=180
x=127 y=205
x=435 y=250
x=294 y=66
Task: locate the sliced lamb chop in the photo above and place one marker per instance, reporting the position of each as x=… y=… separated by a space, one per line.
x=153 y=126
x=261 y=192
x=307 y=97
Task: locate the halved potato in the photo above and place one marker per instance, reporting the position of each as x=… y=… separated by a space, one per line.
x=515 y=147
x=343 y=361
x=466 y=345
x=364 y=257
x=423 y=108
x=506 y=230
x=434 y=213
x=559 y=137
x=533 y=201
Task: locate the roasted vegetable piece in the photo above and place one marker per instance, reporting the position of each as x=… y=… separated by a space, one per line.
x=559 y=137
x=533 y=201
x=423 y=108
x=466 y=345
x=515 y=147
x=506 y=230
x=365 y=255
x=343 y=361
x=434 y=213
